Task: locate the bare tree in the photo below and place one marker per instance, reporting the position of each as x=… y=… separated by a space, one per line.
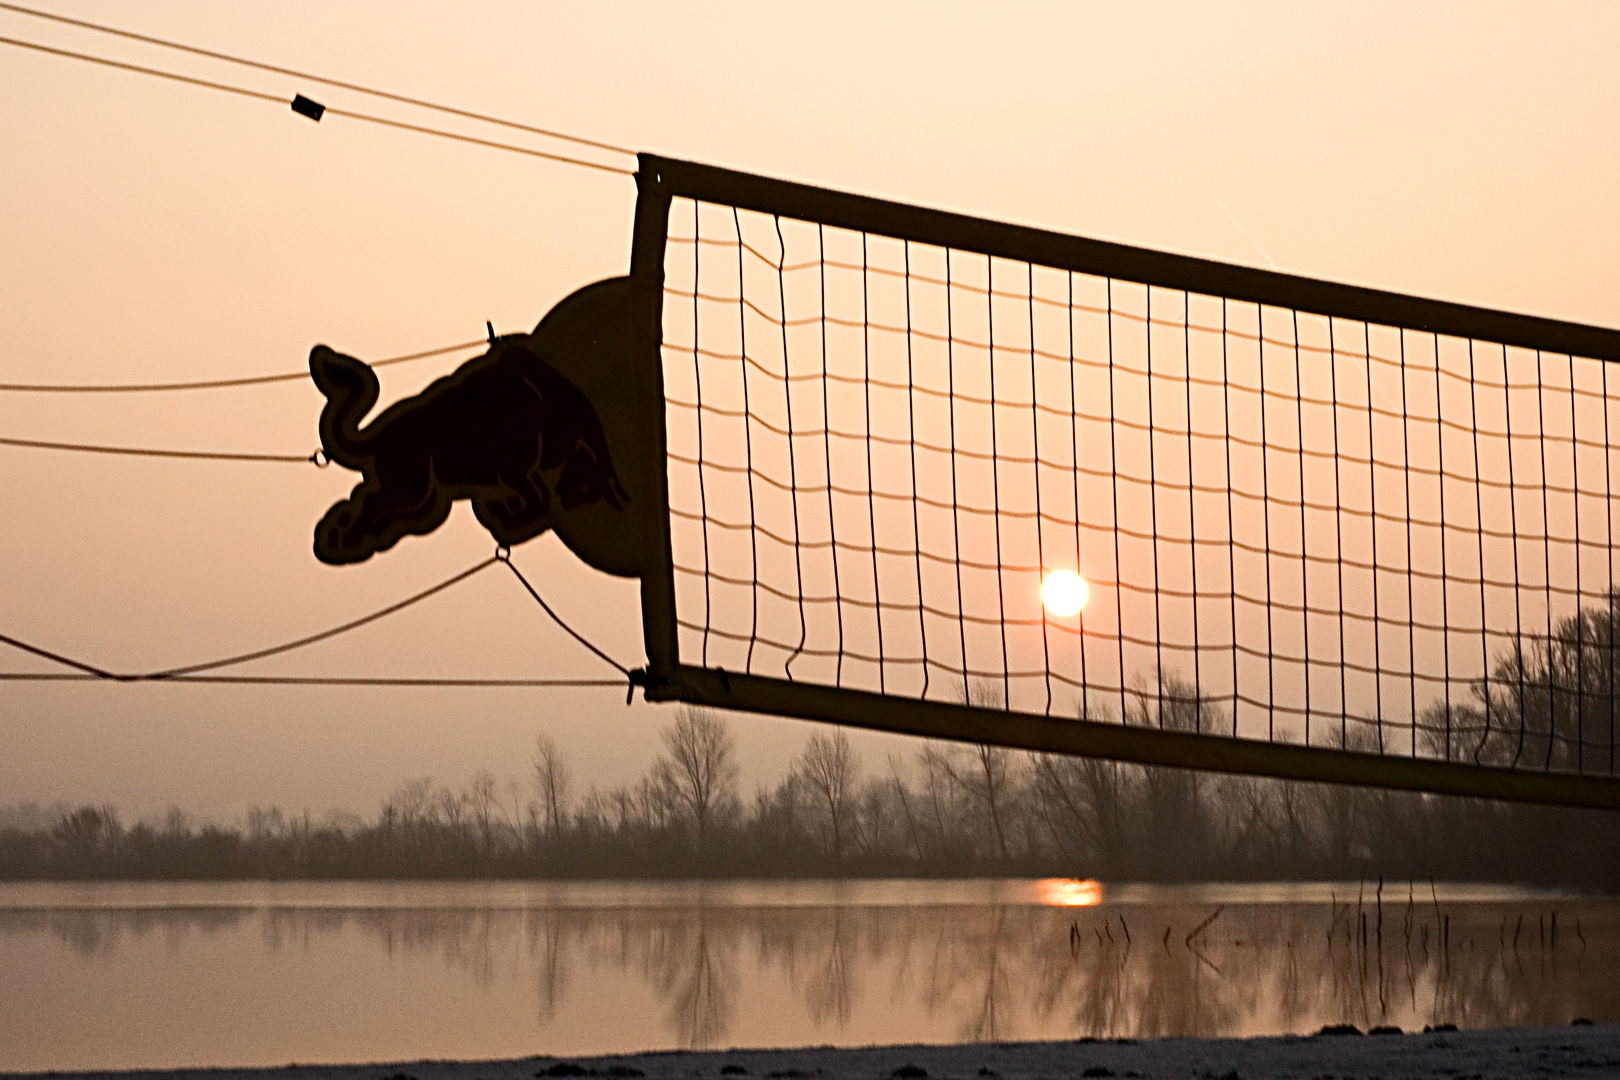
x=1174 y=814
x=514 y=792
x=877 y=819
x=485 y=804
x=451 y=810
x=905 y=804
x=1090 y=807
x=983 y=782
x=654 y=803
x=551 y=782
x=410 y=805
x=698 y=769
x=993 y=784
x=940 y=789
x=777 y=816
x=830 y=767
x=89 y=830
x=264 y=823
x=176 y=823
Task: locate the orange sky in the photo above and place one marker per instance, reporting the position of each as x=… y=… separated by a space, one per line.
x=155 y=231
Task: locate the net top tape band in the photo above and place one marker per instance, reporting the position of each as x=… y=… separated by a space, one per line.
x=1079 y=254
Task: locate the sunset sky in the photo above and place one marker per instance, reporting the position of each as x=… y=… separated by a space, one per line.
x=153 y=231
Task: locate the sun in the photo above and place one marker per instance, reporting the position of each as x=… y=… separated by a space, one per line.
x=1064 y=592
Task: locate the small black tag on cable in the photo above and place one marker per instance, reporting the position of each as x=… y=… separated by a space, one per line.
x=303 y=106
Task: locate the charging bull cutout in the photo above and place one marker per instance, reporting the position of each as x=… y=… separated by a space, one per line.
x=538 y=433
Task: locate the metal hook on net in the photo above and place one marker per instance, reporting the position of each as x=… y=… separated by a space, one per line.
x=644 y=678
x=503 y=553
x=319 y=458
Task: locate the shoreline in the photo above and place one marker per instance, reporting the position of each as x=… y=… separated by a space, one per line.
x=1506 y=1053
x=99 y=893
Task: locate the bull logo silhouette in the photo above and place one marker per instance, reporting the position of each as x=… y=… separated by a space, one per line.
x=538 y=433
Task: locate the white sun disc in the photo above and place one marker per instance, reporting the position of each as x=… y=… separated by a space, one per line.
x=1064 y=592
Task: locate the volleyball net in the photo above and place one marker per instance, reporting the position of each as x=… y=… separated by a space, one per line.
x=1325 y=532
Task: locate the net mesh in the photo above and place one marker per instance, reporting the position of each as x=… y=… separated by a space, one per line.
x=1294 y=528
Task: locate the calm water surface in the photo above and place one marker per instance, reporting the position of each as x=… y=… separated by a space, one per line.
x=262 y=973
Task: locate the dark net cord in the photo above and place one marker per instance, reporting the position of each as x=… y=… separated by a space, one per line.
x=1295 y=528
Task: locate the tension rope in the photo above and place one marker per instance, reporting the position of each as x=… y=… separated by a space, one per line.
x=199 y=672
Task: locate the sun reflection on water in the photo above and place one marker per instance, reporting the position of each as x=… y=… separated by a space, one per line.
x=1069 y=892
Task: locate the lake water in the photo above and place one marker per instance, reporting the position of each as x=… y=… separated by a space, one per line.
x=110 y=975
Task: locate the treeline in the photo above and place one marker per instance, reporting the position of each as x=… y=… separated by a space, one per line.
x=948 y=810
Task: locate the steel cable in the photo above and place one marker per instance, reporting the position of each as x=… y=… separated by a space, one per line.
x=273 y=69
x=216 y=384
x=142 y=451
x=260 y=95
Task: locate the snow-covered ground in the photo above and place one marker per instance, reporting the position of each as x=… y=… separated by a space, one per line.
x=1491 y=1054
